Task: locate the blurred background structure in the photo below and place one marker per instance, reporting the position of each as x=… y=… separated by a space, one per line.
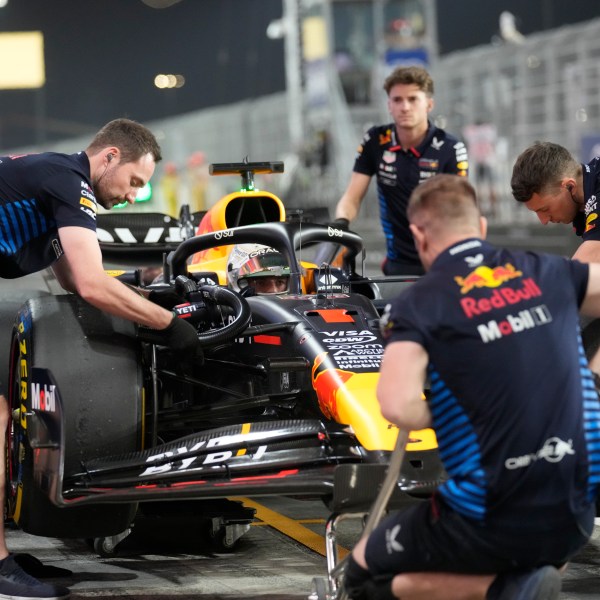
x=300 y=81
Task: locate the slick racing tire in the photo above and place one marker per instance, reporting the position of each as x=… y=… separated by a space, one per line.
x=92 y=363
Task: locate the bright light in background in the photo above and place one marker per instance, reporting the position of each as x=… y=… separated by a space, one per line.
x=164 y=81
x=23 y=60
x=3 y=3
x=144 y=195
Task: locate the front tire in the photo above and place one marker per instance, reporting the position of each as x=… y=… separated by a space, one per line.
x=94 y=360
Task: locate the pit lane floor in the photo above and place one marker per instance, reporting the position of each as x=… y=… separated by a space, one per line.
x=275 y=560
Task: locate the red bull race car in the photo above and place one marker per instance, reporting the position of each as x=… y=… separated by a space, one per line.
x=106 y=422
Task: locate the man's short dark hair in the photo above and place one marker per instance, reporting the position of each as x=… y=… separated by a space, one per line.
x=407 y=76
x=133 y=139
x=539 y=167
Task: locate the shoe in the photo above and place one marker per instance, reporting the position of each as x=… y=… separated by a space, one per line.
x=538 y=584
x=36 y=568
x=15 y=584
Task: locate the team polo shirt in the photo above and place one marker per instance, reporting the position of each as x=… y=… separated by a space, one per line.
x=399 y=170
x=511 y=395
x=587 y=223
x=39 y=193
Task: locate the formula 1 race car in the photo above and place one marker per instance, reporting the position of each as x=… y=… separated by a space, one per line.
x=283 y=402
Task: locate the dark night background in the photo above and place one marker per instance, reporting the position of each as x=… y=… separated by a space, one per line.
x=102 y=55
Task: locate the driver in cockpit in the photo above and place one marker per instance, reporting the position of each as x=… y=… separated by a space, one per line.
x=256 y=269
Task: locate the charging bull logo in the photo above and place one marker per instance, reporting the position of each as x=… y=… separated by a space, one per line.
x=326 y=381
x=485 y=276
x=590 y=222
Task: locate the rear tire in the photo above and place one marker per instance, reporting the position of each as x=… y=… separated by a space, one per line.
x=94 y=360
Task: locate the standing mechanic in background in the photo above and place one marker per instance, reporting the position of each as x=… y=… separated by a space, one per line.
x=48 y=205
x=401 y=155
x=521 y=455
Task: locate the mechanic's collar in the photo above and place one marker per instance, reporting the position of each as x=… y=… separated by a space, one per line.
x=395 y=146
x=460 y=250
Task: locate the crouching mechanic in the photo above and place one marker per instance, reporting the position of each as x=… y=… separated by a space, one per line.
x=48 y=205
x=254 y=269
x=519 y=450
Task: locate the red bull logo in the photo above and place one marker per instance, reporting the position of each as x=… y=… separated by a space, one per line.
x=489 y=277
x=590 y=222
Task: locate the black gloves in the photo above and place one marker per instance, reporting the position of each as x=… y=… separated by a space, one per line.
x=166 y=297
x=178 y=335
x=340 y=223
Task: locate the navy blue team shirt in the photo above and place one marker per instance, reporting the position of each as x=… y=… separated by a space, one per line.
x=399 y=171
x=587 y=223
x=40 y=193
x=521 y=445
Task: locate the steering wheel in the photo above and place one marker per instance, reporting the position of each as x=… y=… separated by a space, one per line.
x=222 y=305
x=218 y=313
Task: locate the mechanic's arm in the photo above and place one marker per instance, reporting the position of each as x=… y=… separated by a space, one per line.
x=80 y=270
x=401 y=381
x=349 y=204
x=588 y=252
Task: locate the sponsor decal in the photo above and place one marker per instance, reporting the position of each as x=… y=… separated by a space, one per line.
x=389 y=157
x=88 y=194
x=348 y=337
x=591 y=205
x=391 y=543
x=473 y=261
x=58 y=251
x=85 y=186
x=181 y=464
x=463 y=165
x=522 y=321
x=223 y=234
x=590 y=222
x=436 y=144
x=429 y=163
x=500 y=298
x=466 y=246
x=23 y=376
x=88 y=212
x=385 y=138
x=485 y=276
x=553 y=451
x=153 y=235
x=461 y=154
x=43 y=397
x=87 y=203
x=333 y=232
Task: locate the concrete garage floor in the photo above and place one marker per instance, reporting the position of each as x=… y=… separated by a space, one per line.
x=170 y=562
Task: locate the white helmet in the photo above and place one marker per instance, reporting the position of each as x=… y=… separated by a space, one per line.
x=249 y=262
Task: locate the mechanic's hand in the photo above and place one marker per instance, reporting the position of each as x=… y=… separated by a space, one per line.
x=340 y=223
x=166 y=297
x=181 y=335
x=178 y=335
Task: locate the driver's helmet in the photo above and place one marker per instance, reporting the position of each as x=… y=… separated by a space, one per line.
x=259 y=267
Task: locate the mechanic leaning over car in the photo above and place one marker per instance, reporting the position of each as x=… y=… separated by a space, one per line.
x=401 y=155
x=559 y=189
x=48 y=206
x=520 y=452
